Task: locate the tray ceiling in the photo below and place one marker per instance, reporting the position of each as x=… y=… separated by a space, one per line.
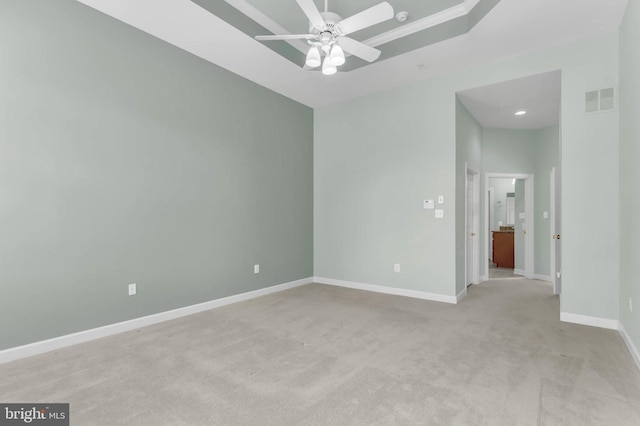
x=509 y=28
x=428 y=22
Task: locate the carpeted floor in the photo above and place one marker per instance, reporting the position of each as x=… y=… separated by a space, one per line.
x=495 y=272
x=322 y=355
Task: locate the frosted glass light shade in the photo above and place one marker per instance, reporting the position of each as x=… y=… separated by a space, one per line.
x=337 y=55
x=313 y=58
x=327 y=67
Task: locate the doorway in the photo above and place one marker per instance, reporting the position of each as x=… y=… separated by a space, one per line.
x=509 y=129
x=512 y=232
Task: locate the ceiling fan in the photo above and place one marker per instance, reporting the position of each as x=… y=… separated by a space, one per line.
x=328 y=35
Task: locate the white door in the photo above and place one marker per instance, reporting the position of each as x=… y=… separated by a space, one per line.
x=471 y=234
x=554 y=218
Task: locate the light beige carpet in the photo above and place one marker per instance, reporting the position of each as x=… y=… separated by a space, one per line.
x=324 y=355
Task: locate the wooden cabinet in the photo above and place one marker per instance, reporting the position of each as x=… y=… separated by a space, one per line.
x=503 y=249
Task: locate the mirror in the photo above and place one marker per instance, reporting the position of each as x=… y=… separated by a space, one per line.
x=502 y=212
x=511 y=208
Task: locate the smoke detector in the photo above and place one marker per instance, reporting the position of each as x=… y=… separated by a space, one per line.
x=402 y=16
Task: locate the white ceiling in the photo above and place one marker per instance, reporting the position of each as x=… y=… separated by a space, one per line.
x=495 y=105
x=512 y=27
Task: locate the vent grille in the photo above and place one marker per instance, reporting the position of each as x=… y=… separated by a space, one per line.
x=599 y=100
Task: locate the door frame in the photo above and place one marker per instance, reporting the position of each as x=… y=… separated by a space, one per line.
x=553 y=219
x=475 y=268
x=529 y=217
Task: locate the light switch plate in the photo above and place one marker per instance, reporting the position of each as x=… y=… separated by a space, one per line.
x=439 y=213
x=545 y=215
x=428 y=204
x=440 y=199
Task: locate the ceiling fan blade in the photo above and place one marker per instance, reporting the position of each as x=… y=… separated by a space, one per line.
x=309 y=8
x=284 y=37
x=359 y=49
x=374 y=15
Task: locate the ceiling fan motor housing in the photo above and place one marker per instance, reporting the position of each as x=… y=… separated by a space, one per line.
x=330 y=19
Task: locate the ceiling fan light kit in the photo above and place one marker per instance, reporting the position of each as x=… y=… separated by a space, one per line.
x=328 y=35
x=337 y=55
x=313 y=57
x=327 y=67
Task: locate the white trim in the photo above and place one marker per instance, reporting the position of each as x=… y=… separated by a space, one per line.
x=388 y=290
x=632 y=348
x=483 y=278
x=542 y=277
x=518 y=271
x=461 y=295
x=423 y=23
x=42 y=346
x=588 y=320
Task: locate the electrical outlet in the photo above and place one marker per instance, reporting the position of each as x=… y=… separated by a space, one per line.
x=396 y=267
x=256 y=269
x=630 y=305
x=132 y=289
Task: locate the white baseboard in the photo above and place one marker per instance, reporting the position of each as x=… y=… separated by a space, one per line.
x=632 y=348
x=542 y=277
x=388 y=290
x=35 y=348
x=519 y=272
x=461 y=295
x=483 y=278
x=592 y=321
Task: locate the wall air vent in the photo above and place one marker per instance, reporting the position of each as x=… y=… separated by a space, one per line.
x=599 y=100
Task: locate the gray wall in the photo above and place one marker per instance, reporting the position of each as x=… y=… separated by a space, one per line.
x=375 y=160
x=125 y=159
x=629 y=171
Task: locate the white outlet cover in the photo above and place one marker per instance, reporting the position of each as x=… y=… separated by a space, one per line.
x=256 y=269
x=545 y=215
x=132 y=289
x=439 y=213
x=396 y=267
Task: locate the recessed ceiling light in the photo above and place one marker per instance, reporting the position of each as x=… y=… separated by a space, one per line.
x=521 y=112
